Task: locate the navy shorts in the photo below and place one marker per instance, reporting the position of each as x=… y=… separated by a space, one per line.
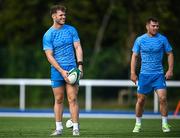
x=150 y=82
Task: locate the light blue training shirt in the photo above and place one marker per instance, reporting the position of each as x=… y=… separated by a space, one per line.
x=60 y=41
x=151 y=50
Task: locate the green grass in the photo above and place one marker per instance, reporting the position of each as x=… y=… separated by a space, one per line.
x=104 y=128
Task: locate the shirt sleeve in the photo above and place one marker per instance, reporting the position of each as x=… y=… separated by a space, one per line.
x=75 y=35
x=167 y=46
x=136 y=46
x=47 y=44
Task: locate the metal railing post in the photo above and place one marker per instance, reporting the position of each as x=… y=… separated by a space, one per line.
x=22 y=96
x=88 y=98
x=155 y=102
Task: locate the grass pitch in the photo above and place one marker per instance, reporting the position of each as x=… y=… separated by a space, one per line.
x=13 y=127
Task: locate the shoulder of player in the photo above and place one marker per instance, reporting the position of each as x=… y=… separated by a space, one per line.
x=139 y=38
x=162 y=37
x=49 y=31
x=69 y=27
x=48 y=34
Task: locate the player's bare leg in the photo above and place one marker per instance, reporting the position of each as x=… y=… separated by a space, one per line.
x=72 y=92
x=162 y=94
x=139 y=111
x=58 y=109
x=140 y=104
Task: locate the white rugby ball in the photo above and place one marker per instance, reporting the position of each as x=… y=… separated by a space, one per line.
x=69 y=123
x=74 y=75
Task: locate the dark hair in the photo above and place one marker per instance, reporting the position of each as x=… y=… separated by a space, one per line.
x=55 y=8
x=153 y=19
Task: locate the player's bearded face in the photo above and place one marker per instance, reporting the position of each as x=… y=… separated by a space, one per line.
x=60 y=17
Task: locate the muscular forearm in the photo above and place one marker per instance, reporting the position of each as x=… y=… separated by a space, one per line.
x=170 y=61
x=80 y=59
x=133 y=63
x=169 y=72
x=133 y=68
x=79 y=55
x=54 y=63
x=52 y=60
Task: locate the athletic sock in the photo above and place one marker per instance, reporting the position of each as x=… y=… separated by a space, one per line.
x=59 y=126
x=164 y=119
x=138 y=120
x=75 y=126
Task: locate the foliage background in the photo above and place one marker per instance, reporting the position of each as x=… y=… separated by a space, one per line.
x=107 y=29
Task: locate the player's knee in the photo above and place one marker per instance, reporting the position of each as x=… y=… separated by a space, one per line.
x=163 y=99
x=72 y=100
x=141 y=101
x=59 y=100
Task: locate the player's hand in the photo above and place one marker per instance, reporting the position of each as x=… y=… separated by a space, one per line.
x=81 y=71
x=169 y=74
x=81 y=74
x=133 y=77
x=65 y=74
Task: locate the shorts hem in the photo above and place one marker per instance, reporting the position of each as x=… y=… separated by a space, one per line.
x=144 y=92
x=160 y=88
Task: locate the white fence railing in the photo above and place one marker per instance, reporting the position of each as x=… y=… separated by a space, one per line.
x=88 y=84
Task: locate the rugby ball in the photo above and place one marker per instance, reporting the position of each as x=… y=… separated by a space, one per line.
x=69 y=123
x=74 y=75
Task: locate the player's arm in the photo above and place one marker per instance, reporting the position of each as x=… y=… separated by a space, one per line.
x=133 y=76
x=79 y=56
x=53 y=62
x=170 y=58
